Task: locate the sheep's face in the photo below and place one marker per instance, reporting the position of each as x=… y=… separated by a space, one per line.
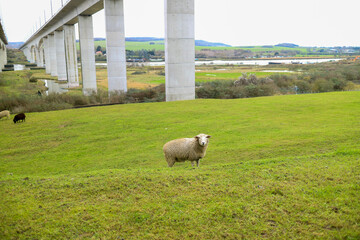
x=203 y=139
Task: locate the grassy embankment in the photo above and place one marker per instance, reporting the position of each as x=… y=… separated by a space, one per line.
x=284 y=167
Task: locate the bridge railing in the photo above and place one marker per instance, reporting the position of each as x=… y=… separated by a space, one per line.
x=51 y=11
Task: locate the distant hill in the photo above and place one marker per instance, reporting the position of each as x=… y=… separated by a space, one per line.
x=153 y=39
x=289 y=45
x=210 y=44
x=141 y=39
x=15 y=44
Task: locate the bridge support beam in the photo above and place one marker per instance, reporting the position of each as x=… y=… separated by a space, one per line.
x=47 y=56
x=88 y=70
x=37 y=56
x=60 y=55
x=3 y=56
x=27 y=52
x=115 y=45
x=40 y=59
x=71 y=56
x=32 y=58
x=179 y=50
x=52 y=50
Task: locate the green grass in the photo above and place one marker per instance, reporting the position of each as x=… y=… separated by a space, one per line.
x=18 y=82
x=283 y=167
x=135 y=46
x=159 y=45
x=228 y=75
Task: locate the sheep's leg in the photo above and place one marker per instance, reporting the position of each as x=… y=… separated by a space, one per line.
x=192 y=163
x=197 y=162
x=170 y=162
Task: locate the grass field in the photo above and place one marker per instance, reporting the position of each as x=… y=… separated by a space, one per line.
x=283 y=167
x=150 y=76
x=159 y=46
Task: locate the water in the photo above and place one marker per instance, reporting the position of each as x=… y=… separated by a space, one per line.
x=56 y=87
x=266 y=62
x=241 y=62
x=19 y=67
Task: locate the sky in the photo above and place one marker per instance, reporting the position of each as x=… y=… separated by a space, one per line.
x=321 y=23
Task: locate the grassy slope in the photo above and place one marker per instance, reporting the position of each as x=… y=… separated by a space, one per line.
x=277 y=167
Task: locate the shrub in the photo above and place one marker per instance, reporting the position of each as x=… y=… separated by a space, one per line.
x=228 y=90
x=138 y=72
x=253 y=79
x=56 y=101
x=322 y=85
x=117 y=97
x=258 y=90
x=251 y=91
x=215 y=89
x=303 y=86
x=339 y=84
x=283 y=81
x=351 y=74
x=350 y=86
x=245 y=80
x=33 y=79
x=266 y=80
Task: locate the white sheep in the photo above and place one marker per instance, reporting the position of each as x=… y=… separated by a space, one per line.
x=186 y=149
x=5 y=113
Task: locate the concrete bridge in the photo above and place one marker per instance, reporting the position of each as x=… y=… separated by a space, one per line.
x=54 y=46
x=3 y=43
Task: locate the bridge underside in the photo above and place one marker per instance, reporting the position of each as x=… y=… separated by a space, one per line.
x=53 y=46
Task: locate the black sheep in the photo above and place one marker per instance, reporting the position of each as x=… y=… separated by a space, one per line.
x=18 y=117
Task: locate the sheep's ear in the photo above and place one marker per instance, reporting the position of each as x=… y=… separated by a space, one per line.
x=197 y=137
x=208 y=136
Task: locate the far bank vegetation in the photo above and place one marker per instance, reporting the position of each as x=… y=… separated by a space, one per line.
x=19 y=94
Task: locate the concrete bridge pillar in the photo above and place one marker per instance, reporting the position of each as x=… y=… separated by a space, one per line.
x=87 y=55
x=27 y=53
x=71 y=56
x=47 y=55
x=115 y=45
x=179 y=50
x=52 y=50
x=40 y=61
x=36 y=55
x=60 y=55
x=32 y=58
x=3 y=56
